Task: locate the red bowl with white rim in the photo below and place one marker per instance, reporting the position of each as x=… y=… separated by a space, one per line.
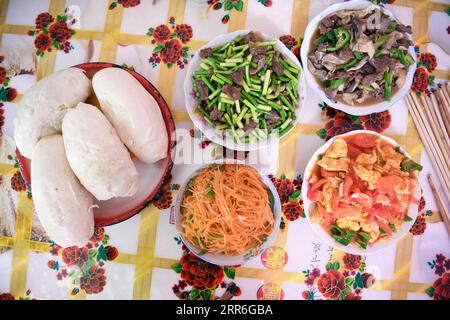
x=151 y=176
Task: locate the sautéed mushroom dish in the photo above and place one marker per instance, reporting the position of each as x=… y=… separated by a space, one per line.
x=360 y=57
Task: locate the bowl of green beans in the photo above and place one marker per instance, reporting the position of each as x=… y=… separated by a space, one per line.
x=244 y=90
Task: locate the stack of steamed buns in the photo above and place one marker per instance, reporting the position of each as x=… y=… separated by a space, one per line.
x=79 y=151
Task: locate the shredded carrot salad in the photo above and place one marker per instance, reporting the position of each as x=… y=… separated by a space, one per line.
x=226 y=210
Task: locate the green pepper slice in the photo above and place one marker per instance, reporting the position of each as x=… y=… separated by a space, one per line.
x=388 y=79
x=343 y=38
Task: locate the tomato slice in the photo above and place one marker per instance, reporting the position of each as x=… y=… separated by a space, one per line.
x=329 y=217
x=386 y=185
x=314 y=193
x=348 y=182
x=353 y=152
x=325 y=173
x=384 y=226
x=366 y=141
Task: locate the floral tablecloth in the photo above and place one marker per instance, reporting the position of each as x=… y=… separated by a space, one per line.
x=143 y=257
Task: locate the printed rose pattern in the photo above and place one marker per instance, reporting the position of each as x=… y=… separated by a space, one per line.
x=423 y=81
x=163 y=199
x=290 y=196
x=200 y=280
x=441 y=287
x=229 y=5
x=338 y=122
x=125 y=3
x=170 y=41
x=6 y=93
x=338 y=283
x=420 y=225
x=8 y=296
x=83 y=267
x=51 y=33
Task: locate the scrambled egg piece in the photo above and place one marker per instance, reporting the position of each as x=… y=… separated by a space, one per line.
x=401 y=186
x=367 y=175
x=313 y=178
x=328 y=191
x=316 y=216
x=348 y=224
x=338 y=149
x=392 y=157
x=331 y=164
x=366 y=159
x=370 y=227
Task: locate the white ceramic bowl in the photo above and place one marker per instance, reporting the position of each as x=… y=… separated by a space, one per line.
x=313 y=83
x=191 y=102
x=310 y=205
x=222 y=259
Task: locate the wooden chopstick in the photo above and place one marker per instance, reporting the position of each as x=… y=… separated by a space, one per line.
x=435 y=157
x=442 y=119
x=440 y=203
x=432 y=120
x=445 y=100
x=434 y=110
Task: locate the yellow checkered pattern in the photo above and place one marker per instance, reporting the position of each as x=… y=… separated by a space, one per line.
x=144 y=260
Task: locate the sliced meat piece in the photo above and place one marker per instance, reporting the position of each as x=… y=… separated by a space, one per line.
x=333 y=58
x=204 y=53
x=382 y=63
x=233 y=92
x=369 y=79
x=257 y=50
x=216 y=115
x=351 y=86
x=402 y=28
x=350 y=98
x=330 y=92
x=260 y=60
x=238 y=76
x=346 y=55
x=250 y=37
x=365 y=44
x=359 y=65
x=272 y=116
x=392 y=41
x=320 y=74
x=401 y=77
x=368 y=68
x=276 y=66
x=250 y=125
x=405 y=42
x=202 y=89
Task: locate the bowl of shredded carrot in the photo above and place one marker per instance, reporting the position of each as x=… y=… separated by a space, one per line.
x=361 y=192
x=227 y=212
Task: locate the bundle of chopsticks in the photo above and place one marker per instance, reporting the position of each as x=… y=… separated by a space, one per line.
x=431 y=115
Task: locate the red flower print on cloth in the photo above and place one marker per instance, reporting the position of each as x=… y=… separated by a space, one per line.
x=52 y=34
x=338 y=122
x=421 y=79
x=161 y=34
x=42 y=42
x=289 y=41
x=125 y=3
x=74 y=256
x=94 y=281
x=419 y=226
x=2 y=75
x=428 y=60
x=2 y=116
x=170 y=40
x=230 y=5
x=200 y=274
x=99 y=234
x=6 y=93
x=285 y=188
x=441 y=286
x=376 y=121
x=292 y=210
x=83 y=267
x=184 y=32
x=200 y=279
x=337 y=283
x=163 y=199
x=352 y=261
x=6 y=296
x=43 y=20
x=331 y=284
x=60 y=31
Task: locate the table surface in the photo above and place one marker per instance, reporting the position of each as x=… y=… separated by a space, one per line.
x=143 y=258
